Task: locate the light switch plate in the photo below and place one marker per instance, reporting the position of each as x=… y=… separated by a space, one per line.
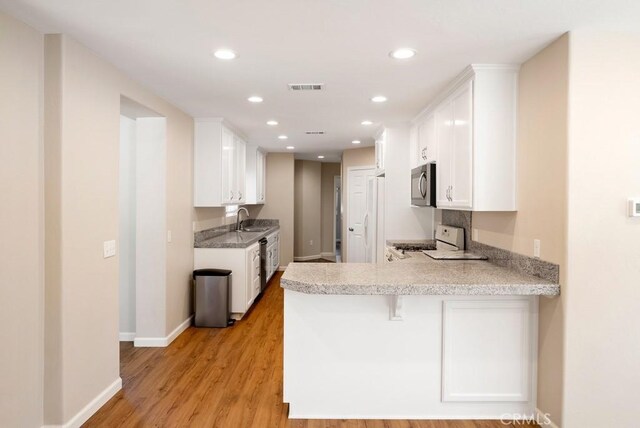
x=634 y=207
x=109 y=248
x=168 y=236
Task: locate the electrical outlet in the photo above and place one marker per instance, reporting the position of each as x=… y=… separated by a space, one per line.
x=536 y=248
x=474 y=234
x=109 y=248
x=311 y=242
x=168 y=236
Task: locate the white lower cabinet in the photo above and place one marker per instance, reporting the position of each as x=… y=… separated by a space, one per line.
x=273 y=254
x=244 y=264
x=445 y=357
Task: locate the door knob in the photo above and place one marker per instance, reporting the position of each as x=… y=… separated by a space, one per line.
x=351 y=229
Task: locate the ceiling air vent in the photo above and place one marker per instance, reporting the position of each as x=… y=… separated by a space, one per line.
x=314 y=132
x=306 y=86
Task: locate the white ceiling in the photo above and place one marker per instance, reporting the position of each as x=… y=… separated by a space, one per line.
x=167 y=45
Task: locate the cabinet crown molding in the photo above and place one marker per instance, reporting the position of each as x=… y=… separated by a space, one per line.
x=468 y=73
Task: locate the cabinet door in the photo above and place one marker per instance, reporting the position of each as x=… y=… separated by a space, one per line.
x=379 y=147
x=444 y=138
x=226 y=173
x=260 y=176
x=253 y=274
x=488 y=350
x=240 y=167
x=276 y=255
x=427 y=140
x=462 y=154
x=413 y=146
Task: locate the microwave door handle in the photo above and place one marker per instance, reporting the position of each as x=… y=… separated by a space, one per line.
x=423 y=191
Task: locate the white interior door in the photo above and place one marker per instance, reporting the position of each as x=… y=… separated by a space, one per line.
x=357 y=209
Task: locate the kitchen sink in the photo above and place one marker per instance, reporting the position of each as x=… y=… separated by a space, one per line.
x=255 y=229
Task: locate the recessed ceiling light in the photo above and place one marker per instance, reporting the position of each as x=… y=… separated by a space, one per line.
x=355 y=142
x=290 y=147
x=224 y=54
x=402 y=53
x=320 y=157
x=366 y=122
x=379 y=99
x=282 y=137
x=272 y=122
x=255 y=99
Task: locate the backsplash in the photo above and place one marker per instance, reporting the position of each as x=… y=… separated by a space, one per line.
x=509 y=259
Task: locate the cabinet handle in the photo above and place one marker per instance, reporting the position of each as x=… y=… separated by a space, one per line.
x=240 y=195
x=231 y=193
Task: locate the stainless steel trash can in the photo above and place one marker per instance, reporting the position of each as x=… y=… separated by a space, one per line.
x=212 y=297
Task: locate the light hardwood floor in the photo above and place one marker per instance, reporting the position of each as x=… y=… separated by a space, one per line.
x=222 y=378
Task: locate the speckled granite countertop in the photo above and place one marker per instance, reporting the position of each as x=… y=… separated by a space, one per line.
x=233 y=239
x=415 y=275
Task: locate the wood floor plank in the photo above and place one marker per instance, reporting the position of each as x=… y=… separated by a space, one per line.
x=223 y=378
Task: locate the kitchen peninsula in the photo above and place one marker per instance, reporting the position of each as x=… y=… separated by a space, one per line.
x=412 y=339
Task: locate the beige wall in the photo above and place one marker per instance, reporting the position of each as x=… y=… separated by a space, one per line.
x=365 y=156
x=602 y=345
x=542 y=192
x=21 y=225
x=307 y=209
x=279 y=201
x=82 y=135
x=329 y=171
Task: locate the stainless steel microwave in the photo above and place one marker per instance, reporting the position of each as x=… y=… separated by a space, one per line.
x=423 y=185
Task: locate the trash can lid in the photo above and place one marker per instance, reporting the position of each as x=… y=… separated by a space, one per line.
x=211 y=272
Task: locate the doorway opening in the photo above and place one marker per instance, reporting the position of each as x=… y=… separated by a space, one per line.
x=337 y=216
x=142 y=223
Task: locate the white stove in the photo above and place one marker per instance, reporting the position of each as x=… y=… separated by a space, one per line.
x=450 y=245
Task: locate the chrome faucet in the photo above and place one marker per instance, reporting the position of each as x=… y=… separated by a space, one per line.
x=238 y=222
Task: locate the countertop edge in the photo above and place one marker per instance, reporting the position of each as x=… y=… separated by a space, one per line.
x=542 y=289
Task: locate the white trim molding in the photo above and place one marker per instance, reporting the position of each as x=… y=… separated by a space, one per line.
x=161 y=342
x=90 y=409
x=305 y=258
x=544 y=419
x=127 y=336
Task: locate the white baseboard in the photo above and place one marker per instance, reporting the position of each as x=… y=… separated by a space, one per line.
x=282 y=268
x=329 y=254
x=87 y=411
x=127 y=337
x=305 y=258
x=161 y=342
x=544 y=420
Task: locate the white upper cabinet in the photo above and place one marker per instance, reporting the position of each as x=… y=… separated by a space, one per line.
x=219 y=164
x=256 y=175
x=470 y=132
x=454 y=168
x=427 y=140
x=379 y=146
